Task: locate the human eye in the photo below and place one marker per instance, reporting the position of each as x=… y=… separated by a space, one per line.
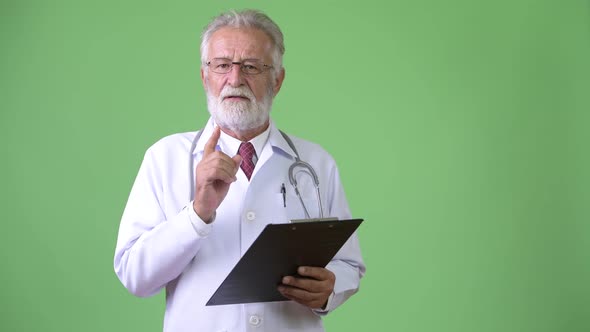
x=251 y=67
x=222 y=65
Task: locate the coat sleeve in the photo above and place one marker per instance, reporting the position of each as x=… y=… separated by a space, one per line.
x=151 y=251
x=347 y=265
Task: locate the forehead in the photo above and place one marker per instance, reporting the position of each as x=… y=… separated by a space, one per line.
x=240 y=43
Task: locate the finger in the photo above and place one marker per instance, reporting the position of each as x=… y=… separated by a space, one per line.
x=219 y=159
x=219 y=174
x=212 y=142
x=312 y=300
x=237 y=160
x=220 y=168
x=310 y=285
x=297 y=294
x=230 y=165
x=318 y=273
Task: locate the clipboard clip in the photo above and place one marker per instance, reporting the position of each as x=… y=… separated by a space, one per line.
x=294 y=221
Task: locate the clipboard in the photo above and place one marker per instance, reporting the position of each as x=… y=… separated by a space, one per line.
x=277 y=252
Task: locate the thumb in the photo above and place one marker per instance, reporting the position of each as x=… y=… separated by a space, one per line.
x=237 y=160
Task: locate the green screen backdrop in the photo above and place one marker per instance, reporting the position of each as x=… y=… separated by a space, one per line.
x=461 y=129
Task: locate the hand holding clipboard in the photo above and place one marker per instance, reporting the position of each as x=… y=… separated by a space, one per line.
x=277 y=252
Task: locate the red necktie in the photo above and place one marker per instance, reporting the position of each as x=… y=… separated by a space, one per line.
x=246 y=150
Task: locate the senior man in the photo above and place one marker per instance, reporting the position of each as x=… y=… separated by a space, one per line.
x=184 y=227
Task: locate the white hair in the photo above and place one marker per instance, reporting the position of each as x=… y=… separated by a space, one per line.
x=246 y=19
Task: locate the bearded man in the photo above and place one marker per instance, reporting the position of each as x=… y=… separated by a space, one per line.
x=184 y=229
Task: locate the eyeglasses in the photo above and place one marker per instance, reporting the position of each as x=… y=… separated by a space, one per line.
x=248 y=67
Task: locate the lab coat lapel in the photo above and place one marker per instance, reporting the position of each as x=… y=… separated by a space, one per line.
x=276 y=146
x=206 y=133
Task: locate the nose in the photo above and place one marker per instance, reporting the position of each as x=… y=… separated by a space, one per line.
x=235 y=77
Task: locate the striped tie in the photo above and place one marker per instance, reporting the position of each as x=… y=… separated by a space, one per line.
x=246 y=150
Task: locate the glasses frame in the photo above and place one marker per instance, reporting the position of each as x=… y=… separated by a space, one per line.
x=265 y=67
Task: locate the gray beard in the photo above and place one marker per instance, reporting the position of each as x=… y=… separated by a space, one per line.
x=239 y=116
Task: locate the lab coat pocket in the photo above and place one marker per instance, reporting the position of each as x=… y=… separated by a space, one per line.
x=279 y=214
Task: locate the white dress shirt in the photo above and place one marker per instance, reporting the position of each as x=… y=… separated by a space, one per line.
x=162 y=243
x=232 y=145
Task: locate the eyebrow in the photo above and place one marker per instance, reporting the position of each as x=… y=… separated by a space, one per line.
x=243 y=60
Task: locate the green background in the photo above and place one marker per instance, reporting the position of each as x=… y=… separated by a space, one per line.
x=461 y=130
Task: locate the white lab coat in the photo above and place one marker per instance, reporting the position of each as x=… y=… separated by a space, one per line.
x=158 y=246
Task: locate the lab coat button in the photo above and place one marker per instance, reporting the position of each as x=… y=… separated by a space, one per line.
x=250 y=215
x=255 y=320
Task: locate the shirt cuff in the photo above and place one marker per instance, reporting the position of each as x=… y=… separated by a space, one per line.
x=201 y=227
x=323 y=312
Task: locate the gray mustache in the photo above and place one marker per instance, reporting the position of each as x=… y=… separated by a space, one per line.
x=239 y=92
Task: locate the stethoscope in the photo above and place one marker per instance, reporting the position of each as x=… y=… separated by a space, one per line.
x=297 y=164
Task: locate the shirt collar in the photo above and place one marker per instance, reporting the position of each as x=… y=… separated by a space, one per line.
x=231 y=145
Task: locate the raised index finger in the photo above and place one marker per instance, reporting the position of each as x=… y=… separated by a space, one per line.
x=212 y=141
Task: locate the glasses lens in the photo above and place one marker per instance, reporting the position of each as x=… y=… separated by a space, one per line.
x=220 y=66
x=251 y=67
x=224 y=66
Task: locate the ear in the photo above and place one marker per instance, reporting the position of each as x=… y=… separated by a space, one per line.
x=278 y=81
